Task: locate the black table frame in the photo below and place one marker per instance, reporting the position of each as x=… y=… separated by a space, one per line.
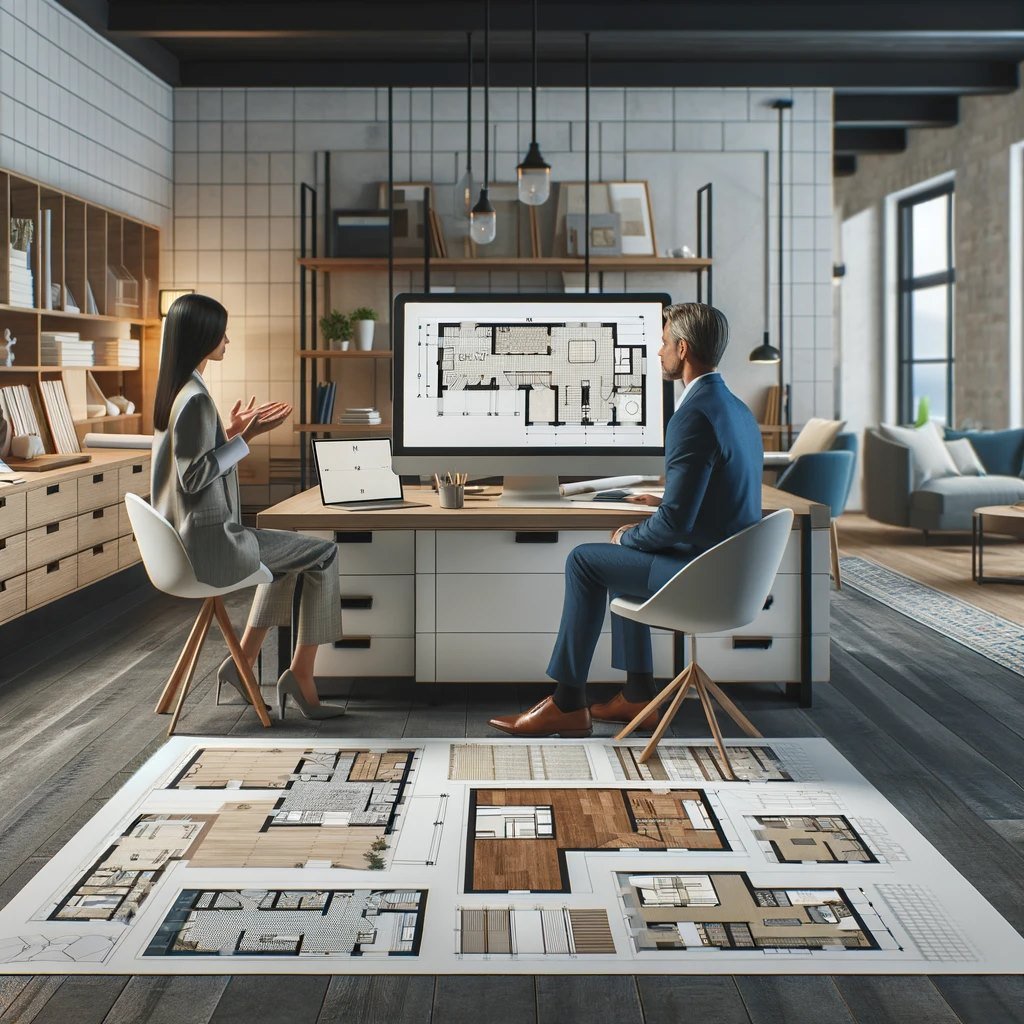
x=978 y=554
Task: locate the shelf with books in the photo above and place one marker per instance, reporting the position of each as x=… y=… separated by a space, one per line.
x=354 y=430
x=328 y=353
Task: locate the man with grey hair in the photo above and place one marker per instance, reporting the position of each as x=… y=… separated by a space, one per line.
x=713 y=465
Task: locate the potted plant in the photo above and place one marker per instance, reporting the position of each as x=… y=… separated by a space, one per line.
x=363 y=318
x=336 y=328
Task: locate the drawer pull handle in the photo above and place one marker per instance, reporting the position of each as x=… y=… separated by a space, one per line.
x=769 y=601
x=357 y=602
x=353 y=641
x=528 y=537
x=3 y=503
x=137 y=469
x=3 y=586
x=97 y=478
x=52 y=527
x=53 y=567
x=53 y=489
x=353 y=537
x=3 y=544
x=98 y=514
x=751 y=643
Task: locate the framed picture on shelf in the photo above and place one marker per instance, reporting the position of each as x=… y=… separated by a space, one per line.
x=571 y=199
x=409 y=222
x=605 y=234
x=631 y=200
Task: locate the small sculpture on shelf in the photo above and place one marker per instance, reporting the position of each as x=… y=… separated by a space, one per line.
x=7 y=348
x=336 y=328
x=363 y=318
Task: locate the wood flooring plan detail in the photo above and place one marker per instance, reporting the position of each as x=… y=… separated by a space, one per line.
x=516 y=931
x=700 y=764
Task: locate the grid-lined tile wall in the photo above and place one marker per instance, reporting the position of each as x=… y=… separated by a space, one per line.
x=78 y=114
x=240 y=156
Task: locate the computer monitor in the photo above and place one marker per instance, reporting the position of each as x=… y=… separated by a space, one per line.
x=529 y=387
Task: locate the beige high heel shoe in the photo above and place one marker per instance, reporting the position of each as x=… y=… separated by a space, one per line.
x=228 y=673
x=288 y=686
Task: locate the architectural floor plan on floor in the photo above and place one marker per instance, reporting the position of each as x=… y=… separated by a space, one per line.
x=436 y=856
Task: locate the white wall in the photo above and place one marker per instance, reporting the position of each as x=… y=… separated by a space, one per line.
x=78 y=114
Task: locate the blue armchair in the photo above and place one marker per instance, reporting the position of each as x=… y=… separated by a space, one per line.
x=825 y=477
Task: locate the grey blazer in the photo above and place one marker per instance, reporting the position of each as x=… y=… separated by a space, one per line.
x=197 y=496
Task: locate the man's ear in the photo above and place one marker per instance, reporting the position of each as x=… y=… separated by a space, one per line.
x=682 y=348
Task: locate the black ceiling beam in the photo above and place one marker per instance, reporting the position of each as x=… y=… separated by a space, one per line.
x=299 y=17
x=869 y=140
x=900 y=111
x=860 y=76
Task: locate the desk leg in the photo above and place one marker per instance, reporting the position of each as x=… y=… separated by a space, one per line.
x=284 y=649
x=802 y=691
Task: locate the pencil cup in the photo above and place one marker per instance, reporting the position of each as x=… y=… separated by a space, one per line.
x=452 y=495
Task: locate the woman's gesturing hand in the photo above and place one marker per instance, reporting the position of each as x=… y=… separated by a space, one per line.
x=240 y=418
x=266 y=418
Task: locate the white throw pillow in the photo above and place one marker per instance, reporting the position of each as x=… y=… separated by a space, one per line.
x=817 y=435
x=965 y=457
x=931 y=459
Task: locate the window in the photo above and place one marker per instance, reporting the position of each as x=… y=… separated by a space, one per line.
x=926 y=285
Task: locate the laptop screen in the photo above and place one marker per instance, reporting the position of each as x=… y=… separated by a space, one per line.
x=355 y=470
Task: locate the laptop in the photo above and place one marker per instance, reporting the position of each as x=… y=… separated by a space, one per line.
x=356 y=474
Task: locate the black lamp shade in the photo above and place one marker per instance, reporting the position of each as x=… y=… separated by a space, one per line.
x=766 y=352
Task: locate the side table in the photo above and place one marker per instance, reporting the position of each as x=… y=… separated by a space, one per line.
x=1003 y=519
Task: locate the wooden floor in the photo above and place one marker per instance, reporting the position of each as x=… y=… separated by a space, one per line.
x=937 y=729
x=944 y=562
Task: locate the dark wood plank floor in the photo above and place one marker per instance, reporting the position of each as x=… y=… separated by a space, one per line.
x=936 y=728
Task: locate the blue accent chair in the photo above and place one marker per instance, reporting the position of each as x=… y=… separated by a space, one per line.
x=825 y=477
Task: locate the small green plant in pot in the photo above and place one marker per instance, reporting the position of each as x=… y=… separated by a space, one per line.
x=364 y=318
x=336 y=328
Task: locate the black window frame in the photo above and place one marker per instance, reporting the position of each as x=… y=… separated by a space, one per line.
x=907 y=285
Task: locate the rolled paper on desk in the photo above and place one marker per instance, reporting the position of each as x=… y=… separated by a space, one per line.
x=584 y=486
x=118 y=440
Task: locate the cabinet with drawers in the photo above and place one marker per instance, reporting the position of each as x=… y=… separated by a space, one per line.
x=64 y=529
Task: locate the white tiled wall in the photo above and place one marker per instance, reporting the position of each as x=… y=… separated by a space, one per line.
x=239 y=156
x=78 y=114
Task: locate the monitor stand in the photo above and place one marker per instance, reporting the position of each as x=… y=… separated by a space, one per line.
x=531 y=492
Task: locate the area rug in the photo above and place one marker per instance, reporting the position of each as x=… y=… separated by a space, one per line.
x=990 y=635
x=477 y=856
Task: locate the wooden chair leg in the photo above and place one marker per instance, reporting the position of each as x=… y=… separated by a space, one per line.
x=163 y=705
x=728 y=706
x=655 y=703
x=241 y=662
x=666 y=719
x=833 y=536
x=709 y=713
x=190 y=670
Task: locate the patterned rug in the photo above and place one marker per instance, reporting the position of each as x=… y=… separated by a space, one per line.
x=994 y=637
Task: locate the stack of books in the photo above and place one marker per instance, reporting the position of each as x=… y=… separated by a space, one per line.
x=325 y=394
x=22 y=290
x=58 y=414
x=117 y=352
x=65 y=348
x=361 y=417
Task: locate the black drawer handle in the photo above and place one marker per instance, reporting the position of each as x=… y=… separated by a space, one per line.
x=137 y=469
x=3 y=544
x=97 y=478
x=97 y=549
x=751 y=643
x=357 y=602
x=53 y=489
x=3 y=503
x=52 y=527
x=353 y=641
x=353 y=537
x=53 y=567
x=3 y=586
x=526 y=537
x=98 y=514
x=769 y=601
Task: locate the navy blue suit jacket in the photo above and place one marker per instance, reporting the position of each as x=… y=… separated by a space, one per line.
x=713 y=465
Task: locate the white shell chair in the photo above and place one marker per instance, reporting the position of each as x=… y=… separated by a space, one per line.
x=723 y=589
x=169 y=570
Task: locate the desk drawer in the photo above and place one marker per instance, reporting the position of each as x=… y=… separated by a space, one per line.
x=127 y=552
x=372 y=552
x=524 y=657
x=751 y=658
x=12 y=514
x=782 y=616
x=12 y=556
x=378 y=605
x=134 y=477
x=51 y=581
x=97 y=489
x=382 y=656
x=819 y=552
x=52 y=541
x=97 y=526
x=12 y=597
x=499 y=551
x=51 y=502
x=96 y=562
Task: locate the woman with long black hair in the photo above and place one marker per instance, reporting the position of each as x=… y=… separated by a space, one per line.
x=195 y=486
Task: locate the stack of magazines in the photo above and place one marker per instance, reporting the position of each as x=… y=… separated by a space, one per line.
x=22 y=292
x=361 y=417
x=64 y=348
x=325 y=394
x=117 y=352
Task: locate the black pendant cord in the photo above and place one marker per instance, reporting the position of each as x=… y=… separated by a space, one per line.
x=586 y=166
x=487 y=90
x=533 y=104
x=469 y=103
x=782 y=385
x=391 y=216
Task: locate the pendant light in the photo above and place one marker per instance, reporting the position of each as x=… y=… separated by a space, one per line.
x=534 y=171
x=483 y=222
x=465 y=188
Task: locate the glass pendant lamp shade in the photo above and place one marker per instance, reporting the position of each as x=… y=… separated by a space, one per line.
x=465 y=190
x=766 y=352
x=483 y=222
x=534 y=178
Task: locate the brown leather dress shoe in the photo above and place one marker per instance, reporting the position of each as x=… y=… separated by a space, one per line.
x=545 y=719
x=618 y=709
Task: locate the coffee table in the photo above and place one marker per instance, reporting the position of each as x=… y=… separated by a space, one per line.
x=1002 y=519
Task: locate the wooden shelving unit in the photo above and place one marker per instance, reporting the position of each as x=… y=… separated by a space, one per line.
x=379 y=430
x=90 y=249
x=520 y=264
x=326 y=353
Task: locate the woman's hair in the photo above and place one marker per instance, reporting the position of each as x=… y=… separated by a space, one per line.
x=194 y=327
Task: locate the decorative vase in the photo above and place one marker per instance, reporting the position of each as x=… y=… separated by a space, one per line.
x=344 y=344
x=365 y=334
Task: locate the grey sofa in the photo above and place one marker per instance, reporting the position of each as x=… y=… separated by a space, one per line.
x=939 y=504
